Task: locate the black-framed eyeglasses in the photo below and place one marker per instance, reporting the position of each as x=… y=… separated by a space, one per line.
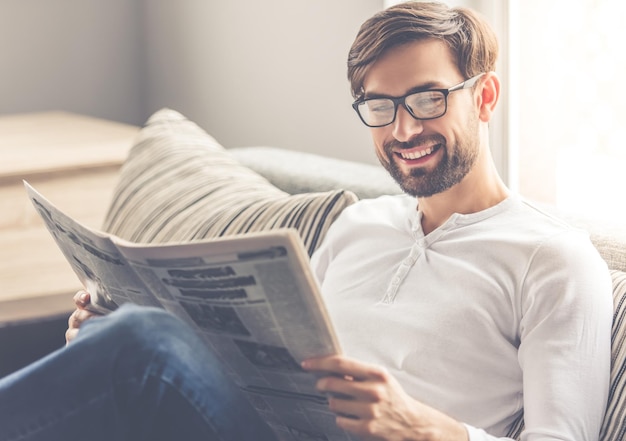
x=423 y=105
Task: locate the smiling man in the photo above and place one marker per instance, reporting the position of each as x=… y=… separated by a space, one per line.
x=461 y=307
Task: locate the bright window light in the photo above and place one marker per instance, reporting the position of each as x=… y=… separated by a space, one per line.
x=572 y=111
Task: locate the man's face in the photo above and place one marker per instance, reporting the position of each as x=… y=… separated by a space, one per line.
x=424 y=157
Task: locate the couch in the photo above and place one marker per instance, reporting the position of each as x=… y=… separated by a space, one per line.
x=179 y=184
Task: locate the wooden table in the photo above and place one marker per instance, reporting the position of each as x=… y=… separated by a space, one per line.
x=73 y=160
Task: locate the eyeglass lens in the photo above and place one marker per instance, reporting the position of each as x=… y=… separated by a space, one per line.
x=423 y=105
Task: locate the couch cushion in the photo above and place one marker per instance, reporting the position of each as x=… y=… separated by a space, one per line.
x=612 y=249
x=302 y=172
x=179 y=184
x=614 y=427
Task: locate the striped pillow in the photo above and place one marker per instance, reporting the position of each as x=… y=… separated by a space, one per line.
x=178 y=184
x=614 y=424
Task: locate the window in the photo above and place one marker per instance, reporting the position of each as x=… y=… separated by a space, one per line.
x=568 y=64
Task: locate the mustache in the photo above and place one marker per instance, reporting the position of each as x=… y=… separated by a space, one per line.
x=414 y=142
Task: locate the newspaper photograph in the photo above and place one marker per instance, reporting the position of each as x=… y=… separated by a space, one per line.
x=252 y=298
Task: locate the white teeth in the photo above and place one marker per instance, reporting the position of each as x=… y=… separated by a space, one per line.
x=415 y=155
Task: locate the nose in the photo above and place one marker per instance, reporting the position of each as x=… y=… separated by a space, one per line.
x=405 y=127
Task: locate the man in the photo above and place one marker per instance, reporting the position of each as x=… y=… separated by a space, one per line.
x=460 y=306
x=477 y=304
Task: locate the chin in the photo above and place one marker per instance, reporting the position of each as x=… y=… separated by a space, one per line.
x=423 y=184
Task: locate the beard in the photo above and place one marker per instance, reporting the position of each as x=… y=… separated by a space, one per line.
x=456 y=162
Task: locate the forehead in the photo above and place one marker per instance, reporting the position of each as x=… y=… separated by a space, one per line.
x=426 y=63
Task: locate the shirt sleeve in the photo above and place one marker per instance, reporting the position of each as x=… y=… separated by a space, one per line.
x=476 y=434
x=565 y=342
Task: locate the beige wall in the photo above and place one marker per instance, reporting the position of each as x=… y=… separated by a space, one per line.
x=255 y=72
x=250 y=72
x=75 y=55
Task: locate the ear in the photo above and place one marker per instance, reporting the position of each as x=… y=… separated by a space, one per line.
x=489 y=92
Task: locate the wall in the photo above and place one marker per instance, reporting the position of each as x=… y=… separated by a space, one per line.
x=250 y=72
x=255 y=72
x=75 y=55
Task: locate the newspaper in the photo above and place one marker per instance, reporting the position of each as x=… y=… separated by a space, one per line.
x=252 y=298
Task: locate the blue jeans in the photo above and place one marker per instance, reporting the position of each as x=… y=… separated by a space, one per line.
x=136 y=374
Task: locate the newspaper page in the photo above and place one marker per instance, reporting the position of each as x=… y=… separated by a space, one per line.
x=252 y=298
x=94 y=258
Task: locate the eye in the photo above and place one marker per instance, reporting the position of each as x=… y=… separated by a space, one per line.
x=425 y=104
x=379 y=105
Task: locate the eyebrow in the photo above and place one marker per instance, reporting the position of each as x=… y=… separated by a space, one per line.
x=422 y=88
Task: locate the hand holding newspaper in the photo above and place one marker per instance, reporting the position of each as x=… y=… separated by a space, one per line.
x=252 y=298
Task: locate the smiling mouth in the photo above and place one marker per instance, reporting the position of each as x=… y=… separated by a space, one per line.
x=411 y=155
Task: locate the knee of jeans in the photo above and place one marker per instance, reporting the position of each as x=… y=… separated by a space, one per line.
x=148 y=327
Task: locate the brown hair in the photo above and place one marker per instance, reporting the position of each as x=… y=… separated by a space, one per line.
x=470 y=38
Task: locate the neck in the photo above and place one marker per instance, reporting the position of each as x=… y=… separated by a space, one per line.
x=480 y=189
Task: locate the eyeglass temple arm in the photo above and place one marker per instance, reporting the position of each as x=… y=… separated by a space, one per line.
x=467 y=84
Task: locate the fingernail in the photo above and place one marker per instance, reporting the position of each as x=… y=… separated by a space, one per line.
x=83 y=296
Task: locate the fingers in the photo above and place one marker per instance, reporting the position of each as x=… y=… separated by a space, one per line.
x=352 y=409
x=82 y=299
x=79 y=316
x=74 y=322
x=339 y=365
x=70 y=334
x=344 y=378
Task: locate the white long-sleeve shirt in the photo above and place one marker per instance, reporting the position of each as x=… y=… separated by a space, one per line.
x=491 y=314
